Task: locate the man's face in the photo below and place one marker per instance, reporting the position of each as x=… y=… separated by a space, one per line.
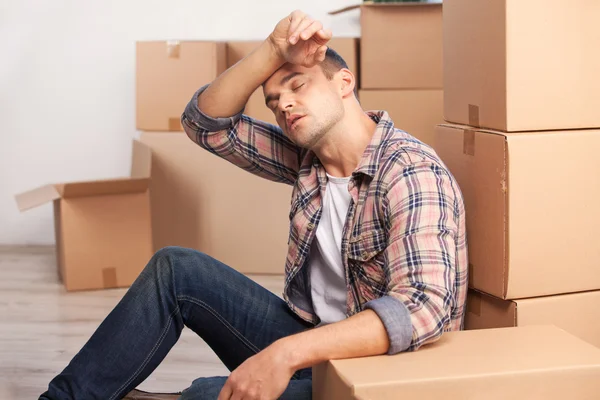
x=306 y=104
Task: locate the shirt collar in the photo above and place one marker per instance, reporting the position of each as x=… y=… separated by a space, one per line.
x=369 y=162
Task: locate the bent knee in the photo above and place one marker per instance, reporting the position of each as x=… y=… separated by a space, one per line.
x=181 y=261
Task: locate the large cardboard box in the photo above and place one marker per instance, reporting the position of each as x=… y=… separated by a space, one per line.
x=256 y=108
x=103 y=228
x=516 y=65
x=168 y=74
x=203 y=202
x=417 y=112
x=536 y=362
x=577 y=313
x=400 y=46
x=531 y=206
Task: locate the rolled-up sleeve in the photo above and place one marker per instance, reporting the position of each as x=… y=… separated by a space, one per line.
x=255 y=146
x=420 y=257
x=198 y=121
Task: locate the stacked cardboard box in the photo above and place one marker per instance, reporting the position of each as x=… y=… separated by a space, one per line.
x=199 y=200
x=522 y=95
x=405 y=79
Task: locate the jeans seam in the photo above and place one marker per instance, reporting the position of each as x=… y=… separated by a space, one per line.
x=223 y=321
x=152 y=352
x=227 y=325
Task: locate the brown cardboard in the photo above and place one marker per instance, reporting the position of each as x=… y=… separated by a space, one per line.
x=577 y=313
x=400 y=46
x=202 y=202
x=535 y=362
x=102 y=228
x=168 y=74
x=531 y=208
x=417 y=112
x=256 y=108
x=516 y=65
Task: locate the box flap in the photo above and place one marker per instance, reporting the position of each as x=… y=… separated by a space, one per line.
x=141 y=160
x=105 y=187
x=37 y=197
x=341 y=10
x=372 y=4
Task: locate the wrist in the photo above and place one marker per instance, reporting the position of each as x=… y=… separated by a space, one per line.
x=289 y=353
x=273 y=49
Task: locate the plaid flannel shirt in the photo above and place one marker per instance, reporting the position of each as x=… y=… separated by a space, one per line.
x=404 y=241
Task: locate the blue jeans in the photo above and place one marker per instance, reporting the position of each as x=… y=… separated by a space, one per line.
x=179 y=287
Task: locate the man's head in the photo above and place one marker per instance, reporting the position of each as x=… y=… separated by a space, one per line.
x=309 y=102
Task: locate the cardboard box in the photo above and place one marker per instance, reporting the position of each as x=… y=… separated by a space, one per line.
x=256 y=108
x=103 y=229
x=531 y=206
x=417 y=112
x=536 y=362
x=400 y=46
x=168 y=74
x=577 y=313
x=203 y=202
x=516 y=65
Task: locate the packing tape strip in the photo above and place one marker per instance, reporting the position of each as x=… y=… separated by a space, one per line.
x=175 y=124
x=474 y=303
x=469 y=142
x=474 y=115
x=173 y=48
x=109 y=278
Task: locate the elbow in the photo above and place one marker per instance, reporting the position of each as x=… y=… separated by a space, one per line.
x=434 y=320
x=189 y=130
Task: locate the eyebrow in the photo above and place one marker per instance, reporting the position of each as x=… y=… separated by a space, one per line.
x=283 y=81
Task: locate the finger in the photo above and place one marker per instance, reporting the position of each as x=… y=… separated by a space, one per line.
x=295 y=19
x=306 y=22
x=324 y=34
x=317 y=57
x=320 y=53
x=237 y=396
x=311 y=30
x=226 y=392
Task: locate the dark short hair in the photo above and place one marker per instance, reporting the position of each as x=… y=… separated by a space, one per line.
x=332 y=63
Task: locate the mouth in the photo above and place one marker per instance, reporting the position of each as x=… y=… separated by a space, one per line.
x=293 y=121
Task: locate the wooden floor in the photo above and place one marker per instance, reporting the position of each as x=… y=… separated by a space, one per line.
x=42 y=327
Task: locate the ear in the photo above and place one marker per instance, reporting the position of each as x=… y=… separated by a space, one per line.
x=348 y=82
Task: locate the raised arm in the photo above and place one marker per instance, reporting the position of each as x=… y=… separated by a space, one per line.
x=214 y=117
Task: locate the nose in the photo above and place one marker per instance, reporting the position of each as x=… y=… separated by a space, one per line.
x=286 y=102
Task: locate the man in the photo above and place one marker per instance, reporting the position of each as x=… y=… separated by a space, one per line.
x=377 y=251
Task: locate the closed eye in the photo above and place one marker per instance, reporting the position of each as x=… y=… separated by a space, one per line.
x=297 y=87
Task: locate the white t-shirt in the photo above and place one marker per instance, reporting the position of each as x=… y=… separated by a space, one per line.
x=327 y=275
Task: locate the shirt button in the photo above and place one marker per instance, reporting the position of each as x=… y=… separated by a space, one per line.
x=364 y=254
x=311 y=226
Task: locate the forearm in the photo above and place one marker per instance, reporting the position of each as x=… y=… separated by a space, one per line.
x=230 y=92
x=361 y=335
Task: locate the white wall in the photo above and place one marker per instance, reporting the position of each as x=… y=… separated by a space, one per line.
x=67 y=88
